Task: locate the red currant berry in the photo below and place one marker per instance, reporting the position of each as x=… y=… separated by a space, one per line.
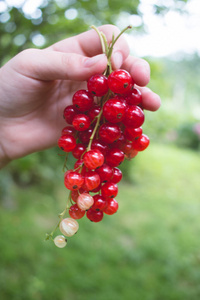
x=141 y=143
x=120 y=82
x=82 y=100
x=109 y=133
x=111 y=207
x=97 y=189
x=81 y=122
x=134 y=116
x=84 y=136
x=135 y=97
x=117 y=175
x=78 y=150
x=69 y=130
x=114 y=110
x=73 y=180
x=132 y=133
x=109 y=190
x=91 y=181
x=99 y=202
x=69 y=113
x=105 y=172
x=114 y=157
x=67 y=142
x=94 y=216
x=75 y=212
x=99 y=145
x=93 y=159
x=131 y=154
x=94 y=111
x=98 y=85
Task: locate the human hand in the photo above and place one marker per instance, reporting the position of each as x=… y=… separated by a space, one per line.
x=36 y=85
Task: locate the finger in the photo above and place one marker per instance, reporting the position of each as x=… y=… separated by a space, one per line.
x=139 y=70
x=52 y=65
x=150 y=100
x=88 y=44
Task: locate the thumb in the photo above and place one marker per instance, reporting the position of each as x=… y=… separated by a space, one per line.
x=52 y=65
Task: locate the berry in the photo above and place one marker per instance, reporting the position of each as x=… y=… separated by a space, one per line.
x=94 y=111
x=117 y=175
x=99 y=145
x=94 y=216
x=91 y=181
x=141 y=143
x=111 y=207
x=70 y=130
x=132 y=133
x=78 y=150
x=98 y=85
x=81 y=122
x=75 y=212
x=60 y=241
x=109 y=133
x=67 y=142
x=93 y=159
x=114 y=157
x=135 y=97
x=105 y=172
x=114 y=110
x=85 y=201
x=99 y=202
x=109 y=190
x=68 y=226
x=84 y=136
x=69 y=113
x=73 y=180
x=120 y=82
x=134 y=116
x=82 y=100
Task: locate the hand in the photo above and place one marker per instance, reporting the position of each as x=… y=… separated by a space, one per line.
x=36 y=85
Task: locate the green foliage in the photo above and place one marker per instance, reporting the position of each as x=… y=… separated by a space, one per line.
x=149 y=250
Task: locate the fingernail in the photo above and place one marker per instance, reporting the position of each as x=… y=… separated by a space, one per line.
x=117 y=59
x=90 y=61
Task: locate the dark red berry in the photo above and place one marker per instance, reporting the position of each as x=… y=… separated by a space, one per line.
x=141 y=143
x=81 y=122
x=69 y=113
x=120 y=82
x=73 y=180
x=105 y=172
x=69 y=130
x=94 y=111
x=67 y=142
x=84 y=136
x=99 y=145
x=114 y=157
x=93 y=159
x=98 y=85
x=99 y=202
x=134 y=116
x=114 y=110
x=135 y=97
x=75 y=212
x=111 y=207
x=94 y=216
x=109 y=190
x=109 y=133
x=117 y=175
x=78 y=150
x=82 y=100
x=132 y=133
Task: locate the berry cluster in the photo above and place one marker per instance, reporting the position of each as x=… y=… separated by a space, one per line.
x=104 y=128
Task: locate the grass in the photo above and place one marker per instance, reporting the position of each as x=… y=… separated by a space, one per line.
x=149 y=250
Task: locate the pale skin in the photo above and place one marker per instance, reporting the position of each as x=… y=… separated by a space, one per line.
x=36 y=85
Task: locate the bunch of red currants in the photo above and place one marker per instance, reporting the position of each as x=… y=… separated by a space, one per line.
x=104 y=128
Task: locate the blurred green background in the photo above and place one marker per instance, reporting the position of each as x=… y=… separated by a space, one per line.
x=149 y=250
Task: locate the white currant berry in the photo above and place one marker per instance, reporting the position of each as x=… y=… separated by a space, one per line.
x=85 y=201
x=60 y=241
x=68 y=226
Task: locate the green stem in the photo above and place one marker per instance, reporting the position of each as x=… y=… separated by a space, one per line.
x=101 y=38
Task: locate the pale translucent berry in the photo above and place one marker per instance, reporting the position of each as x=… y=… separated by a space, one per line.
x=85 y=201
x=60 y=241
x=69 y=226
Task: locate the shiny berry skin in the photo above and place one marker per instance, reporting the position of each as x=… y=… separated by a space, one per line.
x=135 y=97
x=73 y=180
x=69 y=130
x=114 y=110
x=117 y=175
x=91 y=180
x=109 y=133
x=94 y=215
x=78 y=150
x=120 y=82
x=67 y=142
x=68 y=226
x=105 y=172
x=82 y=100
x=109 y=190
x=75 y=212
x=134 y=116
x=85 y=201
x=60 y=241
x=99 y=145
x=69 y=113
x=114 y=157
x=93 y=159
x=98 y=85
x=94 y=111
x=81 y=122
x=132 y=133
x=99 y=202
x=141 y=143
x=111 y=207
x=84 y=136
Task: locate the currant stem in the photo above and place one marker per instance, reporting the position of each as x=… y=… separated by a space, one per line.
x=101 y=38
